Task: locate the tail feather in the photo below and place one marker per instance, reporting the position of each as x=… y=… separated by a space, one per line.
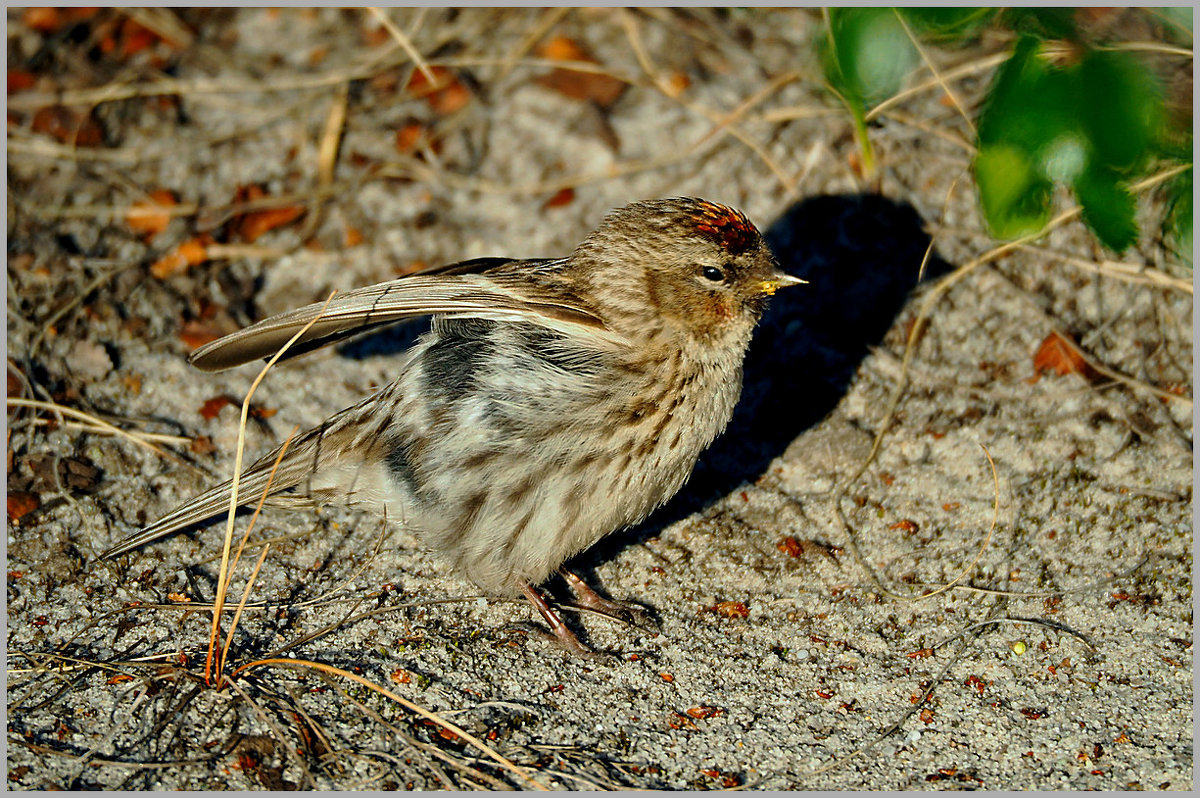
x=314 y=451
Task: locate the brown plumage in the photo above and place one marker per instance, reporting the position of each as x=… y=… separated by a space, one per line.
x=553 y=401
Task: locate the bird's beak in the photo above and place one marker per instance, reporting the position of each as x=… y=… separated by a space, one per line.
x=779 y=280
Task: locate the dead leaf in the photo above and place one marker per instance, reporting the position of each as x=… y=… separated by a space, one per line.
x=150 y=216
x=21 y=504
x=20 y=80
x=136 y=37
x=731 y=609
x=564 y=197
x=704 y=712
x=602 y=89
x=791 y=547
x=252 y=224
x=192 y=252
x=68 y=126
x=212 y=407
x=1059 y=355
x=445 y=95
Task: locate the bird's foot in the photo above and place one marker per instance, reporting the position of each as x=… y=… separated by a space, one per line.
x=624 y=611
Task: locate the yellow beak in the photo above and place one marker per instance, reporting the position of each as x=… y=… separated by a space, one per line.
x=779 y=280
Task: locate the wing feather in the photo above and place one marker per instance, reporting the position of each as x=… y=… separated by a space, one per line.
x=449 y=291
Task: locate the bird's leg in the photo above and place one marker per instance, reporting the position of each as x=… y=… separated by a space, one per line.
x=590 y=599
x=564 y=634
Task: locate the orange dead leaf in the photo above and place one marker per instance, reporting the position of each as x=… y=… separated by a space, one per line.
x=731 y=609
x=43 y=19
x=118 y=678
x=352 y=237
x=21 y=504
x=192 y=252
x=67 y=125
x=704 y=712
x=149 y=217
x=136 y=37
x=375 y=35
x=564 y=197
x=563 y=48
x=212 y=407
x=597 y=87
x=408 y=136
x=677 y=84
x=1060 y=355
x=254 y=224
x=791 y=547
x=905 y=525
x=445 y=95
x=20 y=80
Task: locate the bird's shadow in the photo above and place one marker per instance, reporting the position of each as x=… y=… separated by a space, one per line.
x=861 y=255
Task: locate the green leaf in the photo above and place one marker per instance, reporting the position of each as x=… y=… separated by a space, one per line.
x=947 y=24
x=1030 y=105
x=1121 y=108
x=868 y=54
x=1014 y=195
x=1109 y=209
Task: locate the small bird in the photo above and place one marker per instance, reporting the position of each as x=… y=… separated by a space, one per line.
x=553 y=401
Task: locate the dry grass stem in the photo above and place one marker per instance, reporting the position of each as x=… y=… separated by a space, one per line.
x=98 y=424
x=223 y=573
x=237 y=616
x=938 y=76
x=972 y=68
x=405 y=43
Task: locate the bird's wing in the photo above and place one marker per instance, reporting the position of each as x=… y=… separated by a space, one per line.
x=464 y=289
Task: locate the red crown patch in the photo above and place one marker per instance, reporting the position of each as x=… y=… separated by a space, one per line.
x=729 y=228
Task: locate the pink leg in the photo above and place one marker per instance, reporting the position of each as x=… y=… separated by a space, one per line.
x=564 y=635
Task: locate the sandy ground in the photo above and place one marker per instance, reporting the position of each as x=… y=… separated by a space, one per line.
x=798 y=637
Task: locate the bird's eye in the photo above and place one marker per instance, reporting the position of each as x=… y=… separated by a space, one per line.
x=713 y=273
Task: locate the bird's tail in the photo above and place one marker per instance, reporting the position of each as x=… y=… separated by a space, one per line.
x=330 y=453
